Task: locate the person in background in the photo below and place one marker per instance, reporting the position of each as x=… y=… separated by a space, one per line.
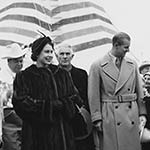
x=146 y=86
x=115 y=98
x=11 y=126
x=144 y=67
x=44 y=98
x=64 y=55
x=1 y=114
x=145 y=73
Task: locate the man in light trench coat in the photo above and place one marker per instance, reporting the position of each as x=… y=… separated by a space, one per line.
x=115 y=98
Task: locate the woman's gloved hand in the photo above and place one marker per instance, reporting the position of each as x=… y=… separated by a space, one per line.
x=57 y=105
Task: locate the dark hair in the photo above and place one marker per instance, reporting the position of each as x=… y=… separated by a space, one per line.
x=38 y=45
x=119 y=37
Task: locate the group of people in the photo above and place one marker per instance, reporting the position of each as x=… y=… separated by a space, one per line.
x=43 y=100
x=145 y=73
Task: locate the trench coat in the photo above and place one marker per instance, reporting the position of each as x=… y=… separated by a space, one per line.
x=119 y=114
x=44 y=99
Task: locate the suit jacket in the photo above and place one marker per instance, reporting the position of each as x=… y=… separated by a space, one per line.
x=80 y=80
x=119 y=119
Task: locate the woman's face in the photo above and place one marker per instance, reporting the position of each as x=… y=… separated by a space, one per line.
x=46 y=55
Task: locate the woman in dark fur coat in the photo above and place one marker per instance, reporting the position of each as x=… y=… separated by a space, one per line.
x=45 y=99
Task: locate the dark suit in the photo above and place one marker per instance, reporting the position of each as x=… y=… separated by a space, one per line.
x=80 y=79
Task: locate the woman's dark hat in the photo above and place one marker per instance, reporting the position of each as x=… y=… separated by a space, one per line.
x=38 y=45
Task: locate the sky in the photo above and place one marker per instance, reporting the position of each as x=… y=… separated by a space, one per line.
x=132 y=17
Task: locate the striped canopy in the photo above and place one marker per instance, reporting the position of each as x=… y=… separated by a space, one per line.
x=84 y=24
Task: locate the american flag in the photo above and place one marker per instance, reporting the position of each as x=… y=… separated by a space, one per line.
x=82 y=23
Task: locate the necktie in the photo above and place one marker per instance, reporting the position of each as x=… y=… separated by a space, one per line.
x=118 y=63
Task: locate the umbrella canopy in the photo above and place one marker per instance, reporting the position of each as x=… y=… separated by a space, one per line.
x=84 y=24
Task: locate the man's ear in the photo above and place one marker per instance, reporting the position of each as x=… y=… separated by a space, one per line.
x=116 y=45
x=72 y=56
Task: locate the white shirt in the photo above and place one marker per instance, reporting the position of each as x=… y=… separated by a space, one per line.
x=6 y=75
x=113 y=58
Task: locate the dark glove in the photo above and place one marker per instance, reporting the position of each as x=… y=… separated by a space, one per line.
x=77 y=100
x=1 y=143
x=69 y=108
x=57 y=105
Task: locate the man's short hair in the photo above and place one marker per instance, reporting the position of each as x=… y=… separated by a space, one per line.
x=63 y=46
x=119 y=37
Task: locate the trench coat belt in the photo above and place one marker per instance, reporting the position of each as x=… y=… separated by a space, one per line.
x=120 y=98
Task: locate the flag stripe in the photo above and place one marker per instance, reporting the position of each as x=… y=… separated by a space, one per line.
x=74 y=6
x=82 y=23
x=8 y=42
x=55 y=11
x=17 y=37
x=24 y=32
x=63 y=22
x=24 y=12
x=25 y=5
x=91 y=44
x=30 y=27
x=30 y=19
x=87 y=38
x=86 y=31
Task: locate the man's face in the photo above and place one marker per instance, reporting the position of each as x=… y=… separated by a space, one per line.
x=147 y=81
x=145 y=69
x=64 y=56
x=16 y=64
x=121 y=50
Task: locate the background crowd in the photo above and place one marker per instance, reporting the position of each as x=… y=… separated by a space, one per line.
x=62 y=107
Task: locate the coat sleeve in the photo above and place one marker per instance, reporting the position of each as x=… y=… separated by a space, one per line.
x=84 y=94
x=67 y=93
x=1 y=110
x=33 y=109
x=94 y=82
x=140 y=93
x=23 y=104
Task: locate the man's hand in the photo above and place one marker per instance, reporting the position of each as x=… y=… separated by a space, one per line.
x=142 y=120
x=98 y=125
x=142 y=123
x=1 y=142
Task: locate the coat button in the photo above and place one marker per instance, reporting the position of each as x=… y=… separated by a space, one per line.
x=116 y=107
x=118 y=123
x=129 y=106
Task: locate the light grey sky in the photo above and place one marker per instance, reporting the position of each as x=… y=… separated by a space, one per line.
x=133 y=17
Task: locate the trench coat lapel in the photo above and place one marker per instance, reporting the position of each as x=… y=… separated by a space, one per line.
x=125 y=73
x=109 y=68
